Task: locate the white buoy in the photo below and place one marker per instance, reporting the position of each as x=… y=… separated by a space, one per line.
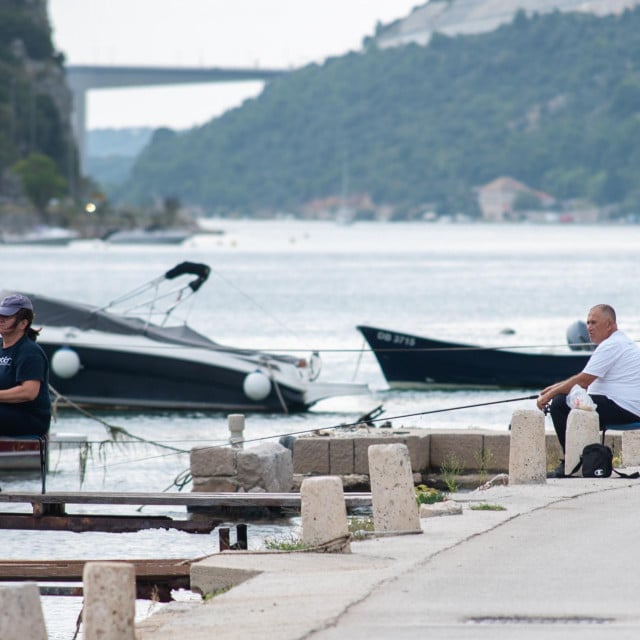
x=65 y=363
x=256 y=386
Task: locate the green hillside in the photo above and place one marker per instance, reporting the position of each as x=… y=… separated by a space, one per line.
x=553 y=101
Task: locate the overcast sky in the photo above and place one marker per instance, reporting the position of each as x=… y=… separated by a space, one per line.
x=234 y=33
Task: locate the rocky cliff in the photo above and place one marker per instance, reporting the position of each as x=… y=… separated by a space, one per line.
x=36 y=111
x=460 y=17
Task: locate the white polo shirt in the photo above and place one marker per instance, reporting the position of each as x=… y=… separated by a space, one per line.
x=616 y=364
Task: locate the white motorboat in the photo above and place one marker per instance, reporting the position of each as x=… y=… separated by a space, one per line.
x=129 y=355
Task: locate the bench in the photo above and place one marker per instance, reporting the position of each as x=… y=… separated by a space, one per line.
x=43 y=445
x=629 y=426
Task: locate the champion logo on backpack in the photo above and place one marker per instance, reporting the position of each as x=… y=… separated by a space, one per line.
x=597 y=461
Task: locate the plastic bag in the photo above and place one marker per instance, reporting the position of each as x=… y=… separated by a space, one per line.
x=578 y=398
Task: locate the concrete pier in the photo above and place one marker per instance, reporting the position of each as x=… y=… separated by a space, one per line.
x=482 y=575
x=528 y=453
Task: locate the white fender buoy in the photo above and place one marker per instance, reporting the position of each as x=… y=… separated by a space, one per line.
x=65 y=363
x=256 y=386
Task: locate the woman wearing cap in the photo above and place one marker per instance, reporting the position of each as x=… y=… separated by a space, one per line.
x=25 y=406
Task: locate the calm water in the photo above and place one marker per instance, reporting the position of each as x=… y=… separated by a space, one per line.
x=291 y=286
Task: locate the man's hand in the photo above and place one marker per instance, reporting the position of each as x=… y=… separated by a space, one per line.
x=550 y=392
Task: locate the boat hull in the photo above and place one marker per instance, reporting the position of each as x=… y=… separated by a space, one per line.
x=118 y=379
x=412 y=362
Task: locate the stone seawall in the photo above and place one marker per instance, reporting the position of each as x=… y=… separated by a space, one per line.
x=471 y=452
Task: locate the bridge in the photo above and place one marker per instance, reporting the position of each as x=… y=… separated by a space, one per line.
x=83 y=78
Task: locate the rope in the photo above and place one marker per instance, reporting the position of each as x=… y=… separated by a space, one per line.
x=114 y=431
x=184 y=477
x=276 y=386
x=359 y=360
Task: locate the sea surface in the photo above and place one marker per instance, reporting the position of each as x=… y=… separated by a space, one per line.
x=298 y=287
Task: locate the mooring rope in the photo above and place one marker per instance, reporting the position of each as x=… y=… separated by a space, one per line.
x=114 y=431
x=184 y=477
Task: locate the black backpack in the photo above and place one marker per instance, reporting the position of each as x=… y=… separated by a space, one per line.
x=597 y=462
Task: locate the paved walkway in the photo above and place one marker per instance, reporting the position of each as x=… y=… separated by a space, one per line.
x=563 y=561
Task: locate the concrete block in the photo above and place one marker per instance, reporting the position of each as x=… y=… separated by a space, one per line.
x=419 y=452
x=268 y=466
x=583 y=428
x=215 y=484
x=463 y=447
x=392 y=492
x=235 y=423
x=311 y=455
x=361 y=452
x=109 y=601
x=495 y=452
x=528 y=452
x=323 y=511
x=213 y=461
x=21 y=612
x=341 y=456
x=631 y=448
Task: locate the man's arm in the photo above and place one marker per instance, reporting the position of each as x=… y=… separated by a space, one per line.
x=22 y=392
x=549 y=393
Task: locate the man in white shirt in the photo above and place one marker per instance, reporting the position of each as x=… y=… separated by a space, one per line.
x=611 y=377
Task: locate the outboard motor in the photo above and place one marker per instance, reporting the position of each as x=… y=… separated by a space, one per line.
x=578 y=337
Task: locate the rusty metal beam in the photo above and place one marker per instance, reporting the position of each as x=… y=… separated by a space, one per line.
x=108 y=523
x=155 y=579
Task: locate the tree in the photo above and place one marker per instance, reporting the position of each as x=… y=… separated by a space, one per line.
x=40 y=181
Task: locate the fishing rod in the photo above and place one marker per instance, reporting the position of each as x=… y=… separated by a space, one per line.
x=363 y=419
x=367 y=420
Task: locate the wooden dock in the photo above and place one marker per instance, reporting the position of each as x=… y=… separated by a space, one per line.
x=49 y=510
x=155 y=579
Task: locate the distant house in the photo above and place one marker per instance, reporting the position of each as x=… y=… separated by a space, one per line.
x=497 y=198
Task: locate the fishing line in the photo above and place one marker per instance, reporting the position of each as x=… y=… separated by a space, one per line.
x=337 y=426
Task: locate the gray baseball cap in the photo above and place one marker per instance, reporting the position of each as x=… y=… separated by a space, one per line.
x=13 y=303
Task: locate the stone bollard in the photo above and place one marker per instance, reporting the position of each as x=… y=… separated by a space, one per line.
x=235 y=422
x=392 y=492
x=583 y=428
x=109 y=601
x=631 y=448
x=324 y=513
x=21 y=612
x=528 y=448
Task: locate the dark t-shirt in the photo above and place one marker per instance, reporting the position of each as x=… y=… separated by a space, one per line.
x=25 y=360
